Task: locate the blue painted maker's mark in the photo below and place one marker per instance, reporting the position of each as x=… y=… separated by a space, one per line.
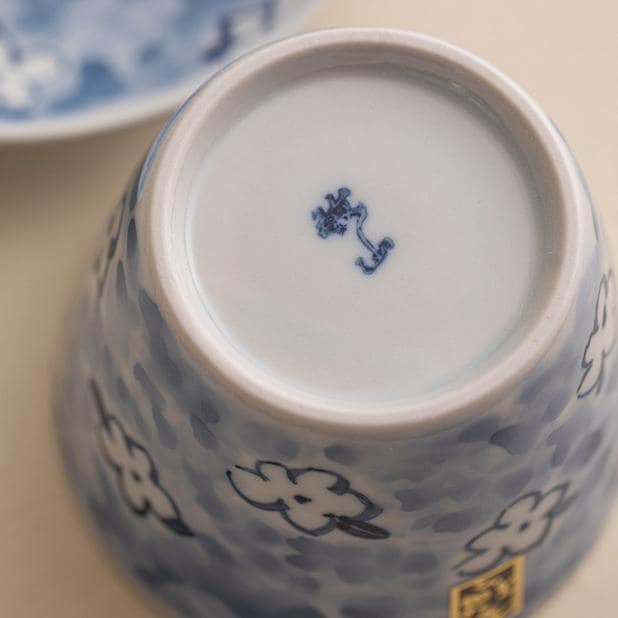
x=335 y=220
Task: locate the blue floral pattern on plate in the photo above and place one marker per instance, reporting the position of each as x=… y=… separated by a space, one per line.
x=60 y=57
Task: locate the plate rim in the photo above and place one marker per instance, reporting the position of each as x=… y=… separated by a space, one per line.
x=133 y=110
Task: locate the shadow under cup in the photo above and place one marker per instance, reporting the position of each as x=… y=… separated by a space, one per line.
x=348 y=348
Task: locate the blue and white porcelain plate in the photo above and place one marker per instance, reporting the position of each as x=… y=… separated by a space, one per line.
x=71 y=67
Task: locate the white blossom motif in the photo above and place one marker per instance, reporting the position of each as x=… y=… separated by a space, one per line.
x=136 y=474
x=27 y=75
x=311 y=500
x=520 y=528
x=601 y=340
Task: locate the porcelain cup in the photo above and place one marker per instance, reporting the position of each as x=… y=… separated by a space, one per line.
x=227 y=494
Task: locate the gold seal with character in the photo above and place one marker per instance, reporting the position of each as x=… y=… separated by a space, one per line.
x=498 y=593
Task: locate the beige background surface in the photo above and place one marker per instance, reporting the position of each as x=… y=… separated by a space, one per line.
x=54 y=199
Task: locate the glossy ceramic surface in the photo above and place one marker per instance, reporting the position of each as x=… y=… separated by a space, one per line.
x=364 y=222
x=75 y=67
x=223 y=505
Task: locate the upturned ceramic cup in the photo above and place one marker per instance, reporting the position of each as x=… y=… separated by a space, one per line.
x=249 y=449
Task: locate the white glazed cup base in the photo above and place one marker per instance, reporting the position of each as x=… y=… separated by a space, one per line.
x=225 y=99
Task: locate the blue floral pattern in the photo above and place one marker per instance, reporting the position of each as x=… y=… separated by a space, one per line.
x=56 y=57
x=29 y=75
x=601 y=340
x=312 y=500
x=520 y=528
x=137 y=476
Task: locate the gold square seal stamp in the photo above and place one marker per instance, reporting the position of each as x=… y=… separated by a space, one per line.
x=499 y=593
